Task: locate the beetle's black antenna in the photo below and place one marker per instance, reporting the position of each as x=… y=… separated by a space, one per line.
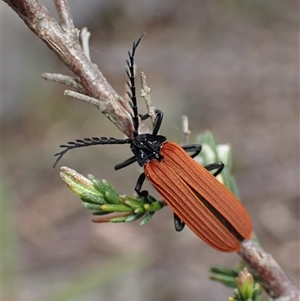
x=131 y=85
x=88 y=142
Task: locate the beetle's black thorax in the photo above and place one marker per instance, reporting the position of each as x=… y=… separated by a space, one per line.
x=146 y=147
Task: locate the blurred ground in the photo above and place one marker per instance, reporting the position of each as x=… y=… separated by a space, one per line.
x=232 y=67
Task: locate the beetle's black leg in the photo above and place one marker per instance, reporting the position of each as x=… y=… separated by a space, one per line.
x=157 y=122
x=178 y=223
x=139 y=183
x=125 y=163
x=138 y=187
x=196 y=148
x=218 y=165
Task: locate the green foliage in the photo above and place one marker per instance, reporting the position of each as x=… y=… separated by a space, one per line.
x=246 y=286
x=247 y=289
x=105 y=201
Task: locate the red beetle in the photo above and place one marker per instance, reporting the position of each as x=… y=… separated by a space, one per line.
x=195 y=196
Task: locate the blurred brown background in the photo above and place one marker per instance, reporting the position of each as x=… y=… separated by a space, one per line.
x=232 y=67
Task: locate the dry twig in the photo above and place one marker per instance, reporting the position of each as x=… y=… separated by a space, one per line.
x=145 y=93
x=276 y=282
x=185 y=130
x=63 y=39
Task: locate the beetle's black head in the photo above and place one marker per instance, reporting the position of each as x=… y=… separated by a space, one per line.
x=146 y=147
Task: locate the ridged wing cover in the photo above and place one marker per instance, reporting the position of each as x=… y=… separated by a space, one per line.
x=177 y=177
